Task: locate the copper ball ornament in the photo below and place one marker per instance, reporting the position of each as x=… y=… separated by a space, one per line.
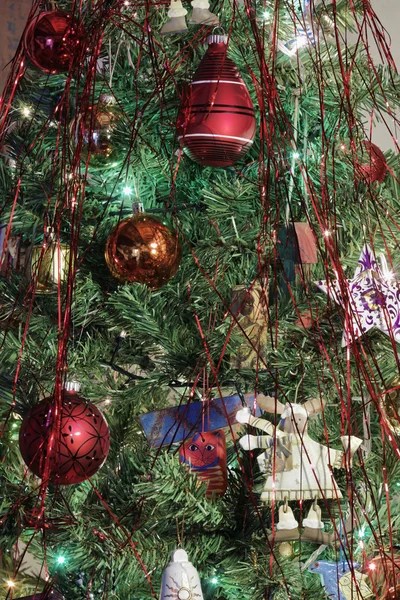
x=384 y=574
x=390 y=406
x=216 y=123
x=97 y=129
x=142 y=249
x=371 y=163
x=81 y=445
x=53 y=41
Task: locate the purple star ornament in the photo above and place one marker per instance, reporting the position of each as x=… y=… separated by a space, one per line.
x=331 y=573
x=373 y=298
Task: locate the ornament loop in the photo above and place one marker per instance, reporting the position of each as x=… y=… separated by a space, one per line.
x=285 y=504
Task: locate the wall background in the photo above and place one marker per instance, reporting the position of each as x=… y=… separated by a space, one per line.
x=13 y=15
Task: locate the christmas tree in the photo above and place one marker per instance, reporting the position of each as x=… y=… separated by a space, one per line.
x=199 y=303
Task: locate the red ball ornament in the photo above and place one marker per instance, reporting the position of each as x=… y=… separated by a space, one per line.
x=79 y=450
x=372 y=163
x=142 y=249
x=53 y=41
x=216 y=123
x=384 y=573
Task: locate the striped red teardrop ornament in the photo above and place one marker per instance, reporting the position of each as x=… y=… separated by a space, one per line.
x=216 y=123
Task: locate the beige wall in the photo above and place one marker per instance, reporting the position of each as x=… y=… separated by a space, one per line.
x=388 y=12
x=13 y=16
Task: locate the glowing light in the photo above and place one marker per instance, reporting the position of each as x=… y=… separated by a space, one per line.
x=214 y=580
x=327 y=233
x=10 y=583
x=127 y=190
x=266 y=15
x=61 y=560
x=342 y=147
x=361 y=533
x=296 y=155
x=26 y=111
x=372 y=566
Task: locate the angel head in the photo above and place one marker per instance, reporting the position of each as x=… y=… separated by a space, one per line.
x=294 y=417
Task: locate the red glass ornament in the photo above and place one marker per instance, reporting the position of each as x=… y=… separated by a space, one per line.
x=53 y=41
x=205 y=454
x=142 y=249
x=384 y=573
x=216 y=123
x=80 y=448
x=372 y=163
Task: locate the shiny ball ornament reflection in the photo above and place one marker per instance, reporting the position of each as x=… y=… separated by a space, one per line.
x=142 y=249
x=53 y=41
x=79 y=450
x=286 y=549
x=97 y=129
x=216 y=123
x=390 y=405
x=372 y=163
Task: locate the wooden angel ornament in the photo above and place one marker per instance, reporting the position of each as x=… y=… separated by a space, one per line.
x=296 y=466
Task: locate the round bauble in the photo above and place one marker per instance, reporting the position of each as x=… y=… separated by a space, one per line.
x=384 y=573
x=53 y=41
x=390 y=405
x=216 y=123
x=97 y=129
x=285 y=549
x=80 y=447
x=372 y=163
x=142 y=249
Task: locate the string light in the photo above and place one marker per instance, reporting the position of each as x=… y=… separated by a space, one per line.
x=214 y=580
x=266 y=15
x=296 y=155
x=127 y=190
x=61 y=560
x=10 y=583
x=26 y=111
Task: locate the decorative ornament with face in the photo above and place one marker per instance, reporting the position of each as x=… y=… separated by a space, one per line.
x=205 y=454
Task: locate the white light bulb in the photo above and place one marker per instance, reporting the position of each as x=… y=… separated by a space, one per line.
x=26 y=111
x=127 y=190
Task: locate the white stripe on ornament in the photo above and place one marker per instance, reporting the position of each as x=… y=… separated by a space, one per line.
x=218 y=81
x=217 y=135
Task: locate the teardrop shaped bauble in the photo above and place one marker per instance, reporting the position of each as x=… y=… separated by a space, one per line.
x=216 y=123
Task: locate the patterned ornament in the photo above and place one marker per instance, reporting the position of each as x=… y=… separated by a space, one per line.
x=180 y=580
x=374 y=298
x=80 y=448
x=250 y=309
x=205 y=454
x=390 y=405
x=371 y=164
x=98 y=130
x=53 y=41
x=331 y=574
x=142 y=249
x=216 y=123
x=287 y=475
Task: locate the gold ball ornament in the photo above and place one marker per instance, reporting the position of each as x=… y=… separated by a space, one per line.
x=142 y=249
x=390 y=405
x=98 y=130
x=286 y=549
